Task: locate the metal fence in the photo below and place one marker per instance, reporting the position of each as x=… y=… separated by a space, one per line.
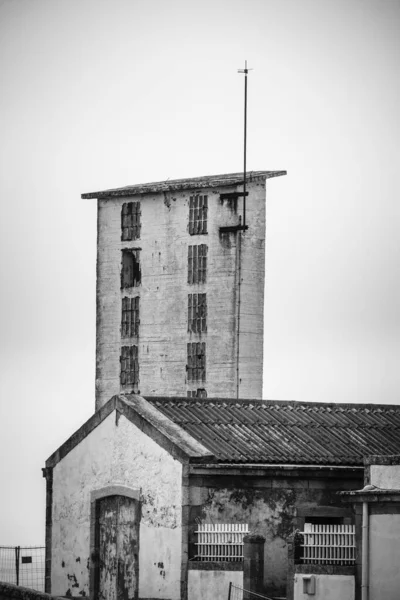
x=23 y=566
x=238 y=593
x=220 y=542
x=329 y=544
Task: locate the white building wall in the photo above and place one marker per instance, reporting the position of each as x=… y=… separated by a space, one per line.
x=118 y=454
x=327 y=587
x=164 y=290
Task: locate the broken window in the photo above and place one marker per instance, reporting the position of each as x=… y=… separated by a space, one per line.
x=129 y=365
x=130 y=317
x=130 y=221
x=130 y=271
x=197 y=313
x=198 y=208
x=196 y=361
x=197 y=263
x=200 y=393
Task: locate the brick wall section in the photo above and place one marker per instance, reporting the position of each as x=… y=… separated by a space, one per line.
x=163 y=334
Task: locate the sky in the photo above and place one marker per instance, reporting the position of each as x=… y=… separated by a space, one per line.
x=98 y=94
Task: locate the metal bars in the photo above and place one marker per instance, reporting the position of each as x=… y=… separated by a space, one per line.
x=130 y=221
x=221 y=542
x=198 y=209
x=196 y=361
x=197 y=264
x=329 y=544
x=197 y=313
x=129 y=365
x=130 y=317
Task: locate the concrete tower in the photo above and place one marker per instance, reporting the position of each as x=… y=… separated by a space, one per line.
x=180 y=288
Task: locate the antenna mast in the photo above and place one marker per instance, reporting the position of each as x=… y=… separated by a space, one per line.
x=245 y=71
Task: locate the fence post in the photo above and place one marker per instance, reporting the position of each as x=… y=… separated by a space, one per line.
x=253 y=567
x=230 y=590
x=17 y=553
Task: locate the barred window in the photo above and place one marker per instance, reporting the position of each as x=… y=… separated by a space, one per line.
x=129 y=365
x=200 y=393
x=130 y=317
x=130 y=272
x=197 y=313
x=197 y=264
x=196 y=361
x=130 y=221
x=198 y=208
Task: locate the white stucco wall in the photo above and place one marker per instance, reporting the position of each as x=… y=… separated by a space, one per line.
x=385 y=476
x=118 y=455
x=327 y=587
x=212 y=585
x=384 y=556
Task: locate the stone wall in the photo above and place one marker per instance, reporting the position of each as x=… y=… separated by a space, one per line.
x=9 y=591
x=164 y=289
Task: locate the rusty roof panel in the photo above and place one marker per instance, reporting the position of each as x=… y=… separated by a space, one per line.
x=278 y=432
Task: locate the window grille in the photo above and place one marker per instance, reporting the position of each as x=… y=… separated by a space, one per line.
x=130 y=269
x=328 y=544
x=200 y=393
x=129 y=365
x=197 y=264
x=198 y=209
x=130 y=317
x=197 y=313
x=130 y=221
x=196 y=361
x=221 y=542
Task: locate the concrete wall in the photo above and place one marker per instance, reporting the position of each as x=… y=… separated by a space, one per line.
x=9 y=591
x=328 y=587
x=212 y=584
x=385 y=476
x=163 y=334
x=384 y=556
x=270 y=505
x=118 y=453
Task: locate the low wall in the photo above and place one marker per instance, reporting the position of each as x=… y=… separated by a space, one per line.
x=210 y=581
x=9 y=591
x=327 y=587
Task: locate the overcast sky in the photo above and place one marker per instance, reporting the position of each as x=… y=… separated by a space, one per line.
x=105 y=93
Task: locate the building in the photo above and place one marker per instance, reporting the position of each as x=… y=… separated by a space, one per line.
x=128 y=493
x=180 y=287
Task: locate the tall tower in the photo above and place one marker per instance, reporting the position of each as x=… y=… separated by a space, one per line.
x=180 y=288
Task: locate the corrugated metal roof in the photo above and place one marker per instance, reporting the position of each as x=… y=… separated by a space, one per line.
x=279 y=432
x=209 y=181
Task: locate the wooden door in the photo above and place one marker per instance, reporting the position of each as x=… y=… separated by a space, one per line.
x=117 y=541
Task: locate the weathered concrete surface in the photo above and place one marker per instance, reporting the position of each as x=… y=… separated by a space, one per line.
x=327 y=587
x=270 y=506
x=9 y=591
x=212 y=585
x=117 y=453
x=164 y=289
x=384 y=555
x=385 y=476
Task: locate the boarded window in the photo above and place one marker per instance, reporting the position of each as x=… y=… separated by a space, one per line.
x=196 y=361
x=220 y=541
x=200 y=393
x=198 y=208
x=129 y=365
x=197 y=313
x=130 y=317
x=130 y=271
x=197 y=264
x=130 y=221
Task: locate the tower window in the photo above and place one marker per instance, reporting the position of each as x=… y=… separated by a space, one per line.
x=130 y=317
x=130 y=221
x=197 y=313
x=129 y=365
x=196 y=361
x=130 y=271
x=198 y=208
x=197 y=264
x=199 y=393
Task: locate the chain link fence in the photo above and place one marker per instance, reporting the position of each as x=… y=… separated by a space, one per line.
x=23 y=566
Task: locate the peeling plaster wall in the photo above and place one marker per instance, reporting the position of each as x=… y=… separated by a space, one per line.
x=118 y=455
x=270 y=508
x=163 y=332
